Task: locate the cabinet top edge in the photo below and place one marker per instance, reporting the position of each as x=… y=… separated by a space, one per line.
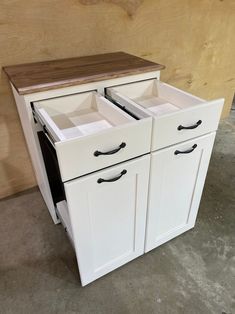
x=42 y=76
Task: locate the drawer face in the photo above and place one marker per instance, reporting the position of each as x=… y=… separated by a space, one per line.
x=90 y=133
x=177 y=115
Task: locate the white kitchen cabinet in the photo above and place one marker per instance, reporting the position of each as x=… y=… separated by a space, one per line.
x=119 y=156
x=176 y=181
x=107 y=211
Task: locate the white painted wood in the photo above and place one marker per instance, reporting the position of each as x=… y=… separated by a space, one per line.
x=79 y=115
x=76 y=155
x=62 y=211
x=156 y=91
x=30 y=132
x=167 y=126
x=170 y=108
x=106 y=222
x=30 y=128
x=108 y=219
x=129 y=104
x=176 y=184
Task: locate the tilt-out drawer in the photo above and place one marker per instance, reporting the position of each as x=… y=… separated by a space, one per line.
x=107 y=210
x=90 y=133
x=177 y=116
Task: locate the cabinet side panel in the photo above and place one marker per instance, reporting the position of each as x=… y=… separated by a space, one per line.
x=30 y=133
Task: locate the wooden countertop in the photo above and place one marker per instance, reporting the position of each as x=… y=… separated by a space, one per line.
x=41 y=76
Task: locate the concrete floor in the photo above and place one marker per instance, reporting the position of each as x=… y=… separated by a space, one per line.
x=194 y=273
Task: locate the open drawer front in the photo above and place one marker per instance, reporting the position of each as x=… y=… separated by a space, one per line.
x=177 y=115
x=90 y=133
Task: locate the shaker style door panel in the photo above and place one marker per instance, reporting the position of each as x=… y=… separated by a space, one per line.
x=108 y=215
x=176 y=182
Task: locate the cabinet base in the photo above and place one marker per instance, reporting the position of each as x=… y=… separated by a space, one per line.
x=169 y=236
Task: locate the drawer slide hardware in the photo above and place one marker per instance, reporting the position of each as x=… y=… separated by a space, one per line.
x=48 y=135
x=37 y=119
x=34 y=115
x=186 y=151
x=121 y=106
x=181 y=127
x=100 y=180
x=111 y=152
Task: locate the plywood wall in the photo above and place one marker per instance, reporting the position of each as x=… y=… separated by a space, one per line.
x=193 y=38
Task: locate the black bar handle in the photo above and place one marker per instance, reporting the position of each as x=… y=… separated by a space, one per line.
x=186 y=151
x=181 y=127
x=111 y=152
x=100 y=180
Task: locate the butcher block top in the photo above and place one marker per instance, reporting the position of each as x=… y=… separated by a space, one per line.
x=41 y=76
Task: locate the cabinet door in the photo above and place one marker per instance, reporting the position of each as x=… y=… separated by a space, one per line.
x=107 y=210
x=176 y=182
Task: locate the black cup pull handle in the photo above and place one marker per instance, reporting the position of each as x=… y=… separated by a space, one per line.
x=111 y=152
x=186 y=151
x=124 y=171
x=181 y=127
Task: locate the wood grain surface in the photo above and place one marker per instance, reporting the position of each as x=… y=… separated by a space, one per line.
x=129 y=6
x=42 y=76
